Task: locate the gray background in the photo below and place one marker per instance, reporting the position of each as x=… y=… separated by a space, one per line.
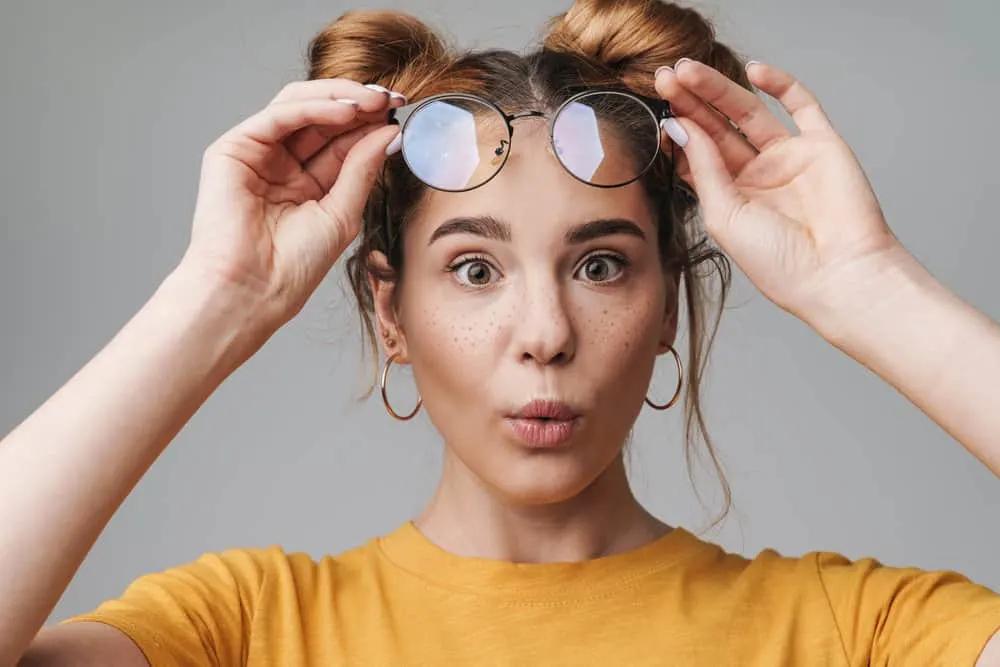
x=108 y=105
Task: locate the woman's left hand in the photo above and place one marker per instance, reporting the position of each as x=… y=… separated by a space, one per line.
x=798 y=215
x=795 y=212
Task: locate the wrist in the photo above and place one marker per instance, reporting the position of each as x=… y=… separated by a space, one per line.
x=225 y=321
x=878 y=292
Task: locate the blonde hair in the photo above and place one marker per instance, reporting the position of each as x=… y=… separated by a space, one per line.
x=596 y=42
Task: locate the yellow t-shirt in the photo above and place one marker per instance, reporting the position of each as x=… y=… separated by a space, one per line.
x=401 y=600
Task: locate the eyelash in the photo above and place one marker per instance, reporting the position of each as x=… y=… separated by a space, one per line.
x=613 y=257
x=471 y=259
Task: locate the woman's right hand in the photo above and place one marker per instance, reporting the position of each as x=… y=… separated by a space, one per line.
x=281 y=194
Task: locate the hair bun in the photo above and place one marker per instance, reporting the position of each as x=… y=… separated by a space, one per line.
x=389 y=48
x=634 y=38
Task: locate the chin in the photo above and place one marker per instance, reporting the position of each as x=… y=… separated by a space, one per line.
x=542 y=480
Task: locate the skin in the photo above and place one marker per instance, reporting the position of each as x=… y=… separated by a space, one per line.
x=281 y=197
x=540 y=327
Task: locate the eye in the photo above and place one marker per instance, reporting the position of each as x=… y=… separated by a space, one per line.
x=602 y=268
x=473 y=271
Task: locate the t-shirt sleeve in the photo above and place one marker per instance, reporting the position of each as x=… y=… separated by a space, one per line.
x=194 y=614
x=889 y=615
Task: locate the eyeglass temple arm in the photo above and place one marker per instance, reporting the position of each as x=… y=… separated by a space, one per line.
x=398 y=115
x=661 y=107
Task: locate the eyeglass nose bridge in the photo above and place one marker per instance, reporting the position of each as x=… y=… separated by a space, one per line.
x=524 y=114
x=529 y=114
x=498 y=153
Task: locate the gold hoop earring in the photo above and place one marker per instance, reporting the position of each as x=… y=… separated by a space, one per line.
x=385 y=396
x=680 y=384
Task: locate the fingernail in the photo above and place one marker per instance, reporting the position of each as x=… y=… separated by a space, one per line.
x=751 y=63
x=665 y=68
x=682 y=61
x=346 y=100
x=675 y=131
x=396 y=144
x=397 y=96
x=376 y=87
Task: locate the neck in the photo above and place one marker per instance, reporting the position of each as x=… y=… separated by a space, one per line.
x=468 y=518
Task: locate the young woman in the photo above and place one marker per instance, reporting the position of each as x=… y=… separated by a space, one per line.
x=526 y=248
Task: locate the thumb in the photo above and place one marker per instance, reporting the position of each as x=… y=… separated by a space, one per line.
x=312 y=239
x=346 y=200
x=717 y=193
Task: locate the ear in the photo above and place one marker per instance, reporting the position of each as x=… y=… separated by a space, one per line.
x=668 y=328
x=382 y=280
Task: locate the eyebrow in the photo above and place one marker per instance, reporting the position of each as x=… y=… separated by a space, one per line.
x=482 y=225
x=490 y=227
x=596 y=229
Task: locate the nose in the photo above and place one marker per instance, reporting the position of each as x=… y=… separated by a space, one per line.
x=545 y=333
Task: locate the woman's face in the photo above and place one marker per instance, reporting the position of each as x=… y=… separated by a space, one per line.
x=533 y=287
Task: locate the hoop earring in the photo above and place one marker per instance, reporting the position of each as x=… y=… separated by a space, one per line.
x=385 y=396
x=680 y=384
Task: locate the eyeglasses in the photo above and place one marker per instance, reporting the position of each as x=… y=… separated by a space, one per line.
x=605 y=137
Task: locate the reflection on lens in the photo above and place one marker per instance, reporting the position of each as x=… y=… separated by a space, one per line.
x=455 y=143
x=605 y=138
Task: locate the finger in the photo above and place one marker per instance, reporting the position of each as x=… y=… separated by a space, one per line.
x=326 y=165
x=347 y=197
x=305 y=143
x=369 y=98
x=279 y=120
x=735 y=150
x=747 y=111
x=339 y=218
x=717 y=193
x=679 y=161
x=682 y=167
x=798 y=101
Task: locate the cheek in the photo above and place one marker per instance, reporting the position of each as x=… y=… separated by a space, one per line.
x=454 y=340
x=627 y=330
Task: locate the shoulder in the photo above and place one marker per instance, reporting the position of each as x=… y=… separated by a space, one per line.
x=877 y=612
x=831 y=571
x=273 y=570
x=257 y=567
x=768 y=565
x=237 y=568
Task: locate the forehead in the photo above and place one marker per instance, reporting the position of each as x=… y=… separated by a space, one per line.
x=534 y=193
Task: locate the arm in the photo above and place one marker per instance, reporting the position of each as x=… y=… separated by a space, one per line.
x=278 y=201
x=929 y=344
x=990 y=657
x=66 y=469
x=798 y=215
x=83 y=645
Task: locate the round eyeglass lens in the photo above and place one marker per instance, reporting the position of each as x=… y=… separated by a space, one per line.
x=605 y=138
x=455 y=143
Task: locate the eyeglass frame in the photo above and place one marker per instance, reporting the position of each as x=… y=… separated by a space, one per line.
x=659 y=109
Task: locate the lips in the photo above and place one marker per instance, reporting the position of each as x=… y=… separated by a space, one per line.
x=547 y=410
x=544 y=424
